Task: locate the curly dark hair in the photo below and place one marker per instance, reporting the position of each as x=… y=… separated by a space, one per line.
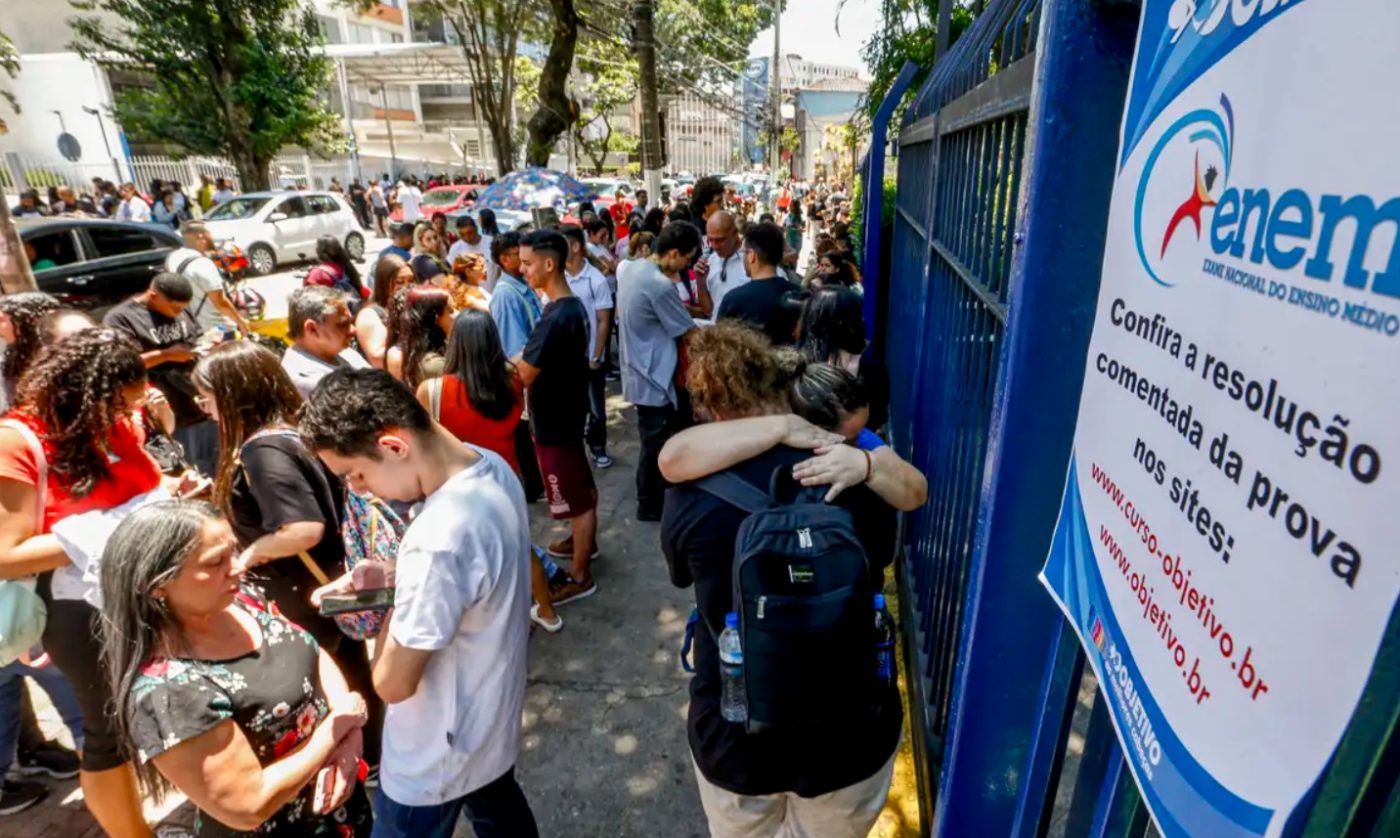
x=351 y=409
x=25 y=310
x=75 y=389
x=414 y=328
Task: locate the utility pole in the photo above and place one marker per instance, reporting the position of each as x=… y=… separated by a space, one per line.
x=15 y=273
x=776 y=154
x=652 y=153
x=389 y=127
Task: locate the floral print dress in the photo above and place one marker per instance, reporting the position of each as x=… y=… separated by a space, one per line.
x=273 y=694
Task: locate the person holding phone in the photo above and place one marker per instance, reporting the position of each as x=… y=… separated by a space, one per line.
x=218 y=696
x=284 y=506
x=450 y=660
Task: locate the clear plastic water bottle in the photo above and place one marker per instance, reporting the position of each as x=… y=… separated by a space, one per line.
x=733 y=703
x=884 y=642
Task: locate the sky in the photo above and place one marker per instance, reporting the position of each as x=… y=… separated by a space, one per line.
x=809 y=31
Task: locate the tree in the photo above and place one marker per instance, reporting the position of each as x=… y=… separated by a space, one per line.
x=489 y=33
x=611 y=83
x=909 y=33
x=15 y=272
x=237 y=78
x=556 y=112
x=701 y=46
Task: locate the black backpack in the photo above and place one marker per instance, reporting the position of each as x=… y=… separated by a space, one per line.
x=803 y=593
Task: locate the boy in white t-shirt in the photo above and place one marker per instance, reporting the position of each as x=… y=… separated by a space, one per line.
x=450 y=661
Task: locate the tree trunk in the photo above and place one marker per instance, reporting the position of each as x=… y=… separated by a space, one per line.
x=554 y=115
x=254 y=173
x=15 y=274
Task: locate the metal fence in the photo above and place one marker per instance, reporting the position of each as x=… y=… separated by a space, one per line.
x=1005 y=171
x=289 y=169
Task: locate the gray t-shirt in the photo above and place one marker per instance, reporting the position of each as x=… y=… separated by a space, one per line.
x=651 y=317
x=306 y=370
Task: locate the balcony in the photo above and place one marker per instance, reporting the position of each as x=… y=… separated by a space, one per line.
x=453 y=93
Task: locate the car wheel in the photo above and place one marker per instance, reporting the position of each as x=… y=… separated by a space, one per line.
x=355 y=246
x=261 y=260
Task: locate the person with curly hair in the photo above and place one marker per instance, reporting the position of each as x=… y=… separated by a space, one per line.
x=418 y=334
x=19 y=328
x=777 y=781
x=69 y=446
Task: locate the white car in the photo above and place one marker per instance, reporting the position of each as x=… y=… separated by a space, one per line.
x=283 y=226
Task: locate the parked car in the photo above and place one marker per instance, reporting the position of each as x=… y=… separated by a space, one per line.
x=95 y=263
x=441 y=200
x=505 y=219
x=607 y=187
x=276 y=227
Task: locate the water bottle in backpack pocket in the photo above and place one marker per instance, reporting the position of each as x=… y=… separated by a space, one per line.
x=802 y=592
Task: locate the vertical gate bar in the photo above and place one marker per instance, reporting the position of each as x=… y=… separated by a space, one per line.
x=1081 y=77
x=1120 y=812
x=1063 y=670
x=1100 y=744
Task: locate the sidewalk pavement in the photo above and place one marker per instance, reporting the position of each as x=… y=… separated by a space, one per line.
x=603 y=749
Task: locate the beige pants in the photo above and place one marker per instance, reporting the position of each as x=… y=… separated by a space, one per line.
x=844 y=813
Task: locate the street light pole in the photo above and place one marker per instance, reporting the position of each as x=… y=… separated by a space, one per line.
x=776 y=155
x=651 y=108
x=102 y=126
x=389 y=126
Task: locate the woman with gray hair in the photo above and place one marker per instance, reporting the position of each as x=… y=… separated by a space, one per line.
x=215 y=694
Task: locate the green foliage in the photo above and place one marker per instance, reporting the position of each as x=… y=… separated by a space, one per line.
x=611 y=82
x=490 y=33
x=887 y=208
x=705 y=43
x=238 y=78
x=909 y=33
x=9 y=64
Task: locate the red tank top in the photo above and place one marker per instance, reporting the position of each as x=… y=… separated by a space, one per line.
x=462 y=419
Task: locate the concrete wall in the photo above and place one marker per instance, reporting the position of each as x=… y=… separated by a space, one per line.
x=65 y=83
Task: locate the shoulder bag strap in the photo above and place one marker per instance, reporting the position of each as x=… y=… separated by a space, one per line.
x=41 y=464
x=435 y=397
x=735 y=491
x=315 y=569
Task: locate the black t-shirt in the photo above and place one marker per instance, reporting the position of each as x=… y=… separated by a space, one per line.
x=153 y=330
x=698 y=532
x=558 y=346
x=760 y=302
x=283 y=483
x=876 y=379
x=357 y=196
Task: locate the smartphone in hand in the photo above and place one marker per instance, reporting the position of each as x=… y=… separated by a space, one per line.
x=369 y=599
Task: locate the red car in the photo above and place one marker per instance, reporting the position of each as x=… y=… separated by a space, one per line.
x=441 y=200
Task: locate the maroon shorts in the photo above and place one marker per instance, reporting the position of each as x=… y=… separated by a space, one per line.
x=568 y=480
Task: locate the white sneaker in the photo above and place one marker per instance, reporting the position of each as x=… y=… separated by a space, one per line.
x=553 y=628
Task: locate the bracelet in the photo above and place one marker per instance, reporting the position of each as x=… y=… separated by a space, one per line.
x=869 y=465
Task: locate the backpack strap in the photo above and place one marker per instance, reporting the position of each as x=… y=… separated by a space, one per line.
x=735 y=491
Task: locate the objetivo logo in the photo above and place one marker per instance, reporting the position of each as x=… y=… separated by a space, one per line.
x=1185 y=174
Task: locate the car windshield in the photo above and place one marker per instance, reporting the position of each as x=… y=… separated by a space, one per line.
x=441 y=198
x=236 y=209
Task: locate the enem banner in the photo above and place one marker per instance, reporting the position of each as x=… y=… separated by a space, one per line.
x=1226 y=547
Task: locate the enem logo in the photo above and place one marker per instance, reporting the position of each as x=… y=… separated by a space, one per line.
x=1187 y=178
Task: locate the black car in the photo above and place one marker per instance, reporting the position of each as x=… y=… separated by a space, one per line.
x=91 y=263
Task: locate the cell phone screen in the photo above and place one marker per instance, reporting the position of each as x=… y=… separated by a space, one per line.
x=372 y=599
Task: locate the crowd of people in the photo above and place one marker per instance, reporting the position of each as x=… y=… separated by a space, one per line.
x=190 y=507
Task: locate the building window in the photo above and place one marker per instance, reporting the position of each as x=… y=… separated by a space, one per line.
x=396 y=38
x=330 y=28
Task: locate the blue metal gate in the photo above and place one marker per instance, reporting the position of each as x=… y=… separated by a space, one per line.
x=1005 y=174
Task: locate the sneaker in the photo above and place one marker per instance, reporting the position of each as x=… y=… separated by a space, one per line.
x=18 y=795
x=553 y=628
x=614 y=375
x=648 y=515
x=371 y=777
x=565 y=549
x=52 y=759
x=601 y=459
x=572 y=591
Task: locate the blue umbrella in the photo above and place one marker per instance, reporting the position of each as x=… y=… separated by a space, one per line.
x=527 y=189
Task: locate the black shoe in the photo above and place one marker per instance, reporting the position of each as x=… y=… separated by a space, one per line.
x=52 y=759
x=648 y=515
x=18 y=795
